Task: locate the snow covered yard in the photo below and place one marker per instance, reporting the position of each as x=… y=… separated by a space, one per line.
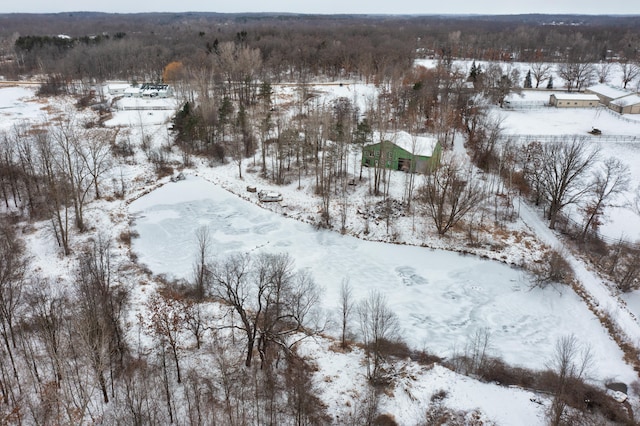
x=551 y=121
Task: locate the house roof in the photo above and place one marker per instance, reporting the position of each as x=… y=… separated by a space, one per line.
x=627 y=100
x=576 y=97
x=608 y=91
x=118 y=86
x=418 y=145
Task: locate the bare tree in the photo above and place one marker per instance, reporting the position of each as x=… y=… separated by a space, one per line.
x=56 y=189
x=49 y=320
x=195 y=320
x=609 y=181
x=12 y=270
x=541 y=72
x=450 y=192
x=166 y=322
x=630 y=72
x=95 y=151
x=346 y=308
x=200 y=270
x=570 y=363
x=497 y=82
x=603 y=71
x=576 y=74
x=563 y=167
x=379 y=327
x=271 y=300
x=140 y=390
x=230 y=282
x=72 y=167
x=289 y=303
x=99 y=303
x=304 y=405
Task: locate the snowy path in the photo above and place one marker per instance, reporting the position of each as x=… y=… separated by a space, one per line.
x=595 y=288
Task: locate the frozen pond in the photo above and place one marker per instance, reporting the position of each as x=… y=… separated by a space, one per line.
x=440 y=297
x=17 y=104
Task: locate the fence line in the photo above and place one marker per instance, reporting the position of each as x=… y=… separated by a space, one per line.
x=567 y=224
x=511 y=105
x=555 y=138
x=620 y=116
x=147 y=108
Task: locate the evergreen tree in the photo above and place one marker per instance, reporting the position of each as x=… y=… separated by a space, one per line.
x=473 y=74
x=187 y=124
x=225 y=113
x=550 y=83
x=527 y=80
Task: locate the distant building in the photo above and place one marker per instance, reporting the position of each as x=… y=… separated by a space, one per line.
x=607 y=93
x=627 y=105
x=574 y=100
x=148 y=90
x=618 y=100
x=117 y=88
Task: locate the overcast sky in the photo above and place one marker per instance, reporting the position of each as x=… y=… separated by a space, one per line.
x=589 y=7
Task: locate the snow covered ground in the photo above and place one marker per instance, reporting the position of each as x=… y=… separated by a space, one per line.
x=441 y=297
x=341 y=384
x=570 y=121
x=17 y=104
x=615 y=74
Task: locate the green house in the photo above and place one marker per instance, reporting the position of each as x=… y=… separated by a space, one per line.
x=415 y=154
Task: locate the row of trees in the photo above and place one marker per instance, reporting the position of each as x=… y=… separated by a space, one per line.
x=137 y=47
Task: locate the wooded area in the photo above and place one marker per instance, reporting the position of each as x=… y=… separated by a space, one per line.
x=241 y=316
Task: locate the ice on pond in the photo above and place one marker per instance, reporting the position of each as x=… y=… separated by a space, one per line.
x=440 y=297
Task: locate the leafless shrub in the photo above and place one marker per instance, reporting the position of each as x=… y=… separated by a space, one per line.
x=125 y=237
x=495 y=370
x=439 y=414
x=158 y=158
x=552 y=269
x=385 y=420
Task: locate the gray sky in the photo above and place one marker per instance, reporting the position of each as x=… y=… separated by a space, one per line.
x=589 y=7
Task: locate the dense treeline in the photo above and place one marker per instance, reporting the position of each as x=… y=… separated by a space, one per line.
x=293 y=45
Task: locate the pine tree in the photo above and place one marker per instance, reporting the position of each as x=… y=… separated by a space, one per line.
x=473 y=74
x=527 y=80
x=550 y=83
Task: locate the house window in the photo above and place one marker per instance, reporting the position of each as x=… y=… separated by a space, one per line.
x=377 y=153
x=389 y=154
x=370 y=154
x=575 y=103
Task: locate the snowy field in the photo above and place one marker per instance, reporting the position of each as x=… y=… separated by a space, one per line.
x=570 y=121
x=615 y=75
x=18 y=104
x=440 y=297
